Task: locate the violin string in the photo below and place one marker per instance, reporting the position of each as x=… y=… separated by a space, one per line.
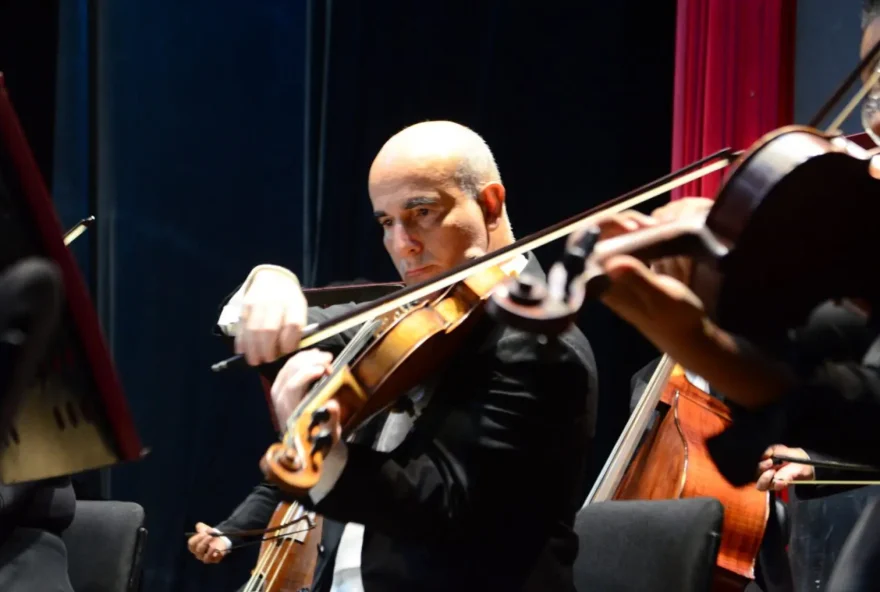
x=348 y=353
x=316 y=333
x=833 y=127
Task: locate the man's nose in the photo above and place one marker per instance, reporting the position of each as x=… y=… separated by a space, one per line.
x=405 y=242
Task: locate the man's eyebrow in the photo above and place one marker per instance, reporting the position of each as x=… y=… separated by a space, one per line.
x=415 y=202
x=411 y=203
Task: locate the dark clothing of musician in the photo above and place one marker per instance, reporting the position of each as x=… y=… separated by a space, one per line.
x=482 y=491
x=834 y=411
x=33 y=517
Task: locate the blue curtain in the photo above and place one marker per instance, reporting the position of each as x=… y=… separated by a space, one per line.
x=198 y=127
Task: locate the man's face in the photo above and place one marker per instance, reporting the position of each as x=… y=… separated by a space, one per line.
x=429 y=224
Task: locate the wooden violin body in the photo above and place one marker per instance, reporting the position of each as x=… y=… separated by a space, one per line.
x=289 y=555
x=792 y=226
x=409 y=347
x=673 y=462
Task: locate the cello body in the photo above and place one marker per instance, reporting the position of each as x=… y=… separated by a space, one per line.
x=673 y=462
x=288 y=556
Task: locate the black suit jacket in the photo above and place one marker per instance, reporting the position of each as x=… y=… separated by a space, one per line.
x=483 y=492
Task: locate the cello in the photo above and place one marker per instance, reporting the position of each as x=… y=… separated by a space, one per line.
x=288 y=556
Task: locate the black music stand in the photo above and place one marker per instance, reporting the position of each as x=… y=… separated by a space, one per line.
x=73 y=416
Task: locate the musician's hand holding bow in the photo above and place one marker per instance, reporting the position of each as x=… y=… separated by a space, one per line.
x=778 y=477
x=207 y=548
x=273 y=314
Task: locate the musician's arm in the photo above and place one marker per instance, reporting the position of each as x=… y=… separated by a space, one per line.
x=470 y=482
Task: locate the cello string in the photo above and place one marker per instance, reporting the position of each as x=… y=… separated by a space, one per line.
x=627 y=443
x=284 y=536
x=287 y=545
x=260 y=568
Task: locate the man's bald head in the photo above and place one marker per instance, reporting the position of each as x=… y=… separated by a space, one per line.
x=437 y=191
x=438 y=151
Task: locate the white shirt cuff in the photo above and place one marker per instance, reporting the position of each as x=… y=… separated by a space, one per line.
x=331 y=470
x=225 y=539
x=231 y=313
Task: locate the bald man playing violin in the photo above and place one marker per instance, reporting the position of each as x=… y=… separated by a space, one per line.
x=477 y=486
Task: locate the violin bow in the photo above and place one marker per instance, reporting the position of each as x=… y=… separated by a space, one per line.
x=828 y=464
x=316 y=332
x=81 y=226
x=823 y=112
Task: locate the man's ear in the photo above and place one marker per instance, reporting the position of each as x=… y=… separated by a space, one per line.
x=491 y=201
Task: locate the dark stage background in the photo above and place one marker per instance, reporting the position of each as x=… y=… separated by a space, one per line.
x=208 y=137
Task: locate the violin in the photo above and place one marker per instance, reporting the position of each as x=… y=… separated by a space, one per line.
x=792 y=225
x=412 y=332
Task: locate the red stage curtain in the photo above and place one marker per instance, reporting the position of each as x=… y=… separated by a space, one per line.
x=734 y=78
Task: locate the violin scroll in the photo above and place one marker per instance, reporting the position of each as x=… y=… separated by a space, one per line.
x=295 y=463
x=548 y=308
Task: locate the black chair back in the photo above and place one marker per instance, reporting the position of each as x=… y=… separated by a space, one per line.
x=104 y=546
x=661 y=546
